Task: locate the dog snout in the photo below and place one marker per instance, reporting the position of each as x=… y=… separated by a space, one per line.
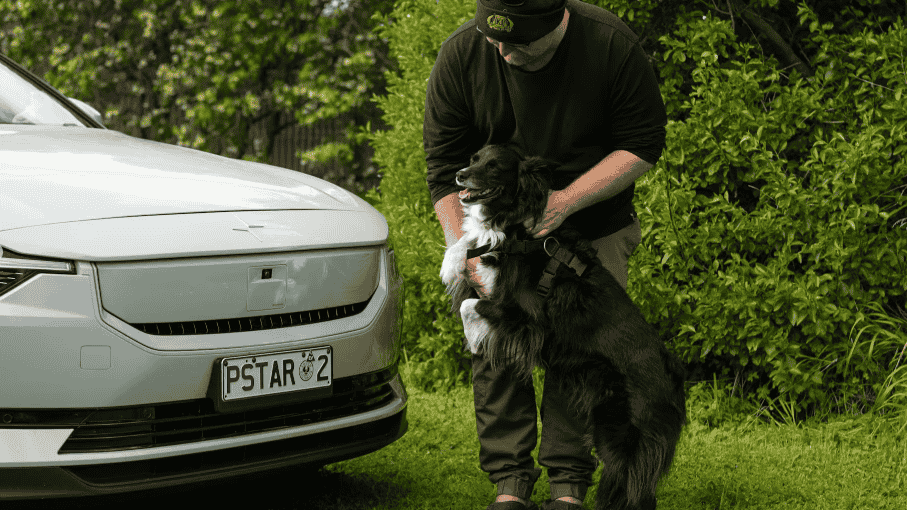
x=462 y=176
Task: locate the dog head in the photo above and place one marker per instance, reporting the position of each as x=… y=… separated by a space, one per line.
x=508 y=187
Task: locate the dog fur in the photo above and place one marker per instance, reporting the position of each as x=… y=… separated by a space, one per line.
x=587 y=333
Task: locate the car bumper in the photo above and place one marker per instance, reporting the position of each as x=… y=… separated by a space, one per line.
x=277 y=450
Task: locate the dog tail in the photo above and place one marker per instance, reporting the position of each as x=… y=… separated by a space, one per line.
x=635 y=456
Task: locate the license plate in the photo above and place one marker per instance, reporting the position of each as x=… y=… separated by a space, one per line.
x=272 y=374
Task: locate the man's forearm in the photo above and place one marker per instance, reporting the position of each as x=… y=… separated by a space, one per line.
x=609 y=177
x=450 y=215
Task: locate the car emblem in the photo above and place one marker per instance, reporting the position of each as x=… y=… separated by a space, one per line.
x=248 y=228
x=260 y=230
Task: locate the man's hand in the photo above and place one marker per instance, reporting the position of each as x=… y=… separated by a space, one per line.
x=557 y=210
x=474 y=280
x=607 y=178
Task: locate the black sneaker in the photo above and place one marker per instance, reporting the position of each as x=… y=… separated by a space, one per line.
x=513 y=505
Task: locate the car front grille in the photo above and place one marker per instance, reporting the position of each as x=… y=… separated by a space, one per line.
x=106 y=430
x=315 y=449
x=280 y=320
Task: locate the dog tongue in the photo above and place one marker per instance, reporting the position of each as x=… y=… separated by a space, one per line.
x=464 y=194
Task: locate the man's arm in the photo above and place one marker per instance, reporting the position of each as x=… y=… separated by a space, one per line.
x=609 y=177
x=606 y=179
x=450 y=215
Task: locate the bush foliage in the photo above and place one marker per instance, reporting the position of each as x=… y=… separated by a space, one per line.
x=771 y=220
x=774 y=221
x=432 y=339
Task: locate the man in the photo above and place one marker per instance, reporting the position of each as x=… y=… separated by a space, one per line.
x=566 y=81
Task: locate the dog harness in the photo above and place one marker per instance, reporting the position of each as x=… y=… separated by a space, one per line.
x=559 y=255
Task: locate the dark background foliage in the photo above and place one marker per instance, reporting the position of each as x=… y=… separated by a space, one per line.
x=227 y=77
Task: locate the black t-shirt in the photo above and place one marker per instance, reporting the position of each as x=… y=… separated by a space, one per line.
x=598 y=94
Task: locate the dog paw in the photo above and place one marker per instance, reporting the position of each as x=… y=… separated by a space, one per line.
x=474 y=325
x=454 y=265
x=450 y=276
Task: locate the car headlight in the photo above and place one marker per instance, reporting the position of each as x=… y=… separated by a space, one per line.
x=392 y=264
x=16 y=268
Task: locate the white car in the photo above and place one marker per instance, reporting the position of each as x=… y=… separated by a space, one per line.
x=170 y=316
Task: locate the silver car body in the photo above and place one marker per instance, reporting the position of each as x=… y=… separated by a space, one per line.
x=160 y=262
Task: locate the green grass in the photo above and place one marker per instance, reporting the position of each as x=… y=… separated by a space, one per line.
x=785 y=467
x=728 y=458
x=742 y=463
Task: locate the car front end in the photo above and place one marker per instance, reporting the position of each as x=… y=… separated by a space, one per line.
x=169 y=316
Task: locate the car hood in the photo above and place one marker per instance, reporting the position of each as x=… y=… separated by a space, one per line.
x=98 y=195
x=56 y=174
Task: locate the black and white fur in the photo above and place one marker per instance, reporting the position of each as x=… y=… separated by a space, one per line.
x=587 y=333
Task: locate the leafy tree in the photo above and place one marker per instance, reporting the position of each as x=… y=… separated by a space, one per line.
x=201 y=72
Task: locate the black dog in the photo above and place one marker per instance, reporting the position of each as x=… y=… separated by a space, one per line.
x=587 y=331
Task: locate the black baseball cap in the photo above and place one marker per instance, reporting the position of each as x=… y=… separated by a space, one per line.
x=518 y=22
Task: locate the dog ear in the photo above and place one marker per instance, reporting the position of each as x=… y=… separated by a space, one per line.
x=512 y=146
x=536 y=164
x=535 y=173
x=533 y=181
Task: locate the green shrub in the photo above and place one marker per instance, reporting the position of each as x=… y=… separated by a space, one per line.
x=769 y=223
x=432 y=338
x=772 y=222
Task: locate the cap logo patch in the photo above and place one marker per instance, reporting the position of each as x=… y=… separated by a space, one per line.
x=500 y=23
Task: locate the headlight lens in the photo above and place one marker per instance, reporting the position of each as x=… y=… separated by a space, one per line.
x=392 y=264
x=16 y=268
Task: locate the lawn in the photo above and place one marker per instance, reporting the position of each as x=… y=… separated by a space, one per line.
x=743 y=463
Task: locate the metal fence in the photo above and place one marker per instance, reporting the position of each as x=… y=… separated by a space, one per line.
x=295 y=139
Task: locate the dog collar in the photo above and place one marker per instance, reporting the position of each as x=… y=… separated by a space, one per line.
x=514 y=247
x=475 y=252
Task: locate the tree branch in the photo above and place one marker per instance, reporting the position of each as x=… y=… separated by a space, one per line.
x=781 y=49
x=731 y=11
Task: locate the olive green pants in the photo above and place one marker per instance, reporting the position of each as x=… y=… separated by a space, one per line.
x=506 y=414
